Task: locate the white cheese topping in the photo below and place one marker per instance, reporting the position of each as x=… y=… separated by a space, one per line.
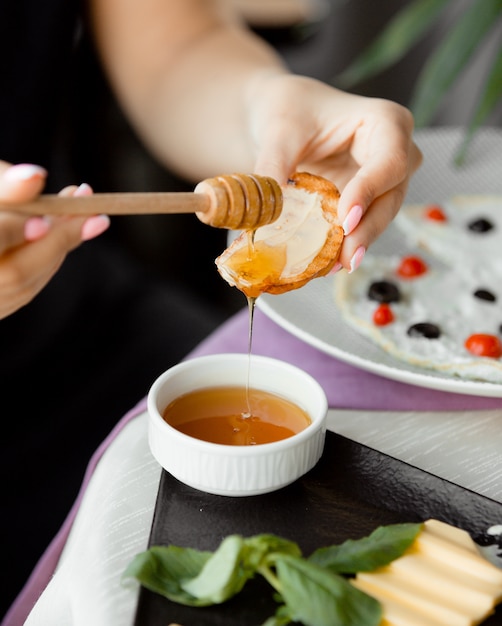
x=461 y=262
x=441 y=297
x=301 y=228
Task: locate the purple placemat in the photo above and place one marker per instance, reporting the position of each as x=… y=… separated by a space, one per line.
x=44 y=570
x=346 y=386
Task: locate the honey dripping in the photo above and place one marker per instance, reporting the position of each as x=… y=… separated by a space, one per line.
x=241 y=415
x=256 y=264
x=261 y=261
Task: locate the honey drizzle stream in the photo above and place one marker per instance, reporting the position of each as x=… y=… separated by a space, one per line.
x=251 y=309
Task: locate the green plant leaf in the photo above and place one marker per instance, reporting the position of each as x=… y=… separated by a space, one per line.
x=385 y=544
x=222 y=575
x=258 y=547
x=316 y=597
x=447 y=61
x=162 y=569
x=306 y=590
x=399 y=36
x=488 y=100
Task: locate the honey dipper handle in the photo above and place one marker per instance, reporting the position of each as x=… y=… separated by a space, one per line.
x=113 y=204
x=232 y=201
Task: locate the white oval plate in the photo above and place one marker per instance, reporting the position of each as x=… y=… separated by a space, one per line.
x=310 y=313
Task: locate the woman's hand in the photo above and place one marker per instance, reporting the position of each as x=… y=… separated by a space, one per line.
x=364 y=145
x=218 y=99
x=33 y=248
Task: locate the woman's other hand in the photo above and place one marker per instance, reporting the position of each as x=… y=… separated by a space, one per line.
x=33 y=248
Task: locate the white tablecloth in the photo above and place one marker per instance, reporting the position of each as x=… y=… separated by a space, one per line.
x=112 y=525
x=115 y=515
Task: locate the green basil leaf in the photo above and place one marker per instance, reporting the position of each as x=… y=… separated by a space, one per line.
x=222 y=575
x=316 y=597
x=258 y=547
x=491 y=94
x=385 y=544
x=399 y=36
x=447 y=61
x=163 y=568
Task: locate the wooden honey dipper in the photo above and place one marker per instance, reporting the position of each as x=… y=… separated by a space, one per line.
x=233 y=201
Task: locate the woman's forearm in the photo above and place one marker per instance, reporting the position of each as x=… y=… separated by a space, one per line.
x=184 y=72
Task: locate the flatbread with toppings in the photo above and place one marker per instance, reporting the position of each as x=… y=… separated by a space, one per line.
x=440 y=306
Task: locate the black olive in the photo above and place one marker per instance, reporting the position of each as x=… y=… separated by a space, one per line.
x=484 y=294
x=424 y=329
x=384 y=291
x=480 y=225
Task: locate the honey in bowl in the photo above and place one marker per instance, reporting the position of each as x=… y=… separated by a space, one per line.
x=235 y=416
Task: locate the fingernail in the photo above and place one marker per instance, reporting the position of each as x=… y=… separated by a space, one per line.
x=336 y=268
x=83 y=190
x=24 y=171
x=352 y=220
x=35 y=228
x=94 y=226
x=356 y=260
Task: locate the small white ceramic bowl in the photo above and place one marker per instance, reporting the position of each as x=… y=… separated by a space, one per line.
x=237 y=470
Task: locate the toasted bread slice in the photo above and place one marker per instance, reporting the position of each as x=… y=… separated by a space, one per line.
x=302 y=244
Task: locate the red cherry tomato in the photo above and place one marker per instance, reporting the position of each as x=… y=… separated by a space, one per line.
x=411 y=266
x=383 y=315
x=435 y=213
x=484 y=345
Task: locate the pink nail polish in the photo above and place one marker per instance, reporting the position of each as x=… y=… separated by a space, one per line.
x=35 y=228
x=83 y=190
x=24 y=171
x=336 y=268
x=352 y=220
x=356 y=260
x=94 y=226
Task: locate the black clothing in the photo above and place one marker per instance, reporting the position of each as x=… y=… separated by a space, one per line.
x=87 y=348
x=36 y=44
x=73 y=361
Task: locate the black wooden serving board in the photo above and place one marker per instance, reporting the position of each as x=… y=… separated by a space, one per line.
x=352 y=490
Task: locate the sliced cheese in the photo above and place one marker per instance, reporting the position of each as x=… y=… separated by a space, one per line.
x=450 y=534
x=432 y=547
x=395 y=611
x=452 y=587
x=388 y=584
x=441 y=580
